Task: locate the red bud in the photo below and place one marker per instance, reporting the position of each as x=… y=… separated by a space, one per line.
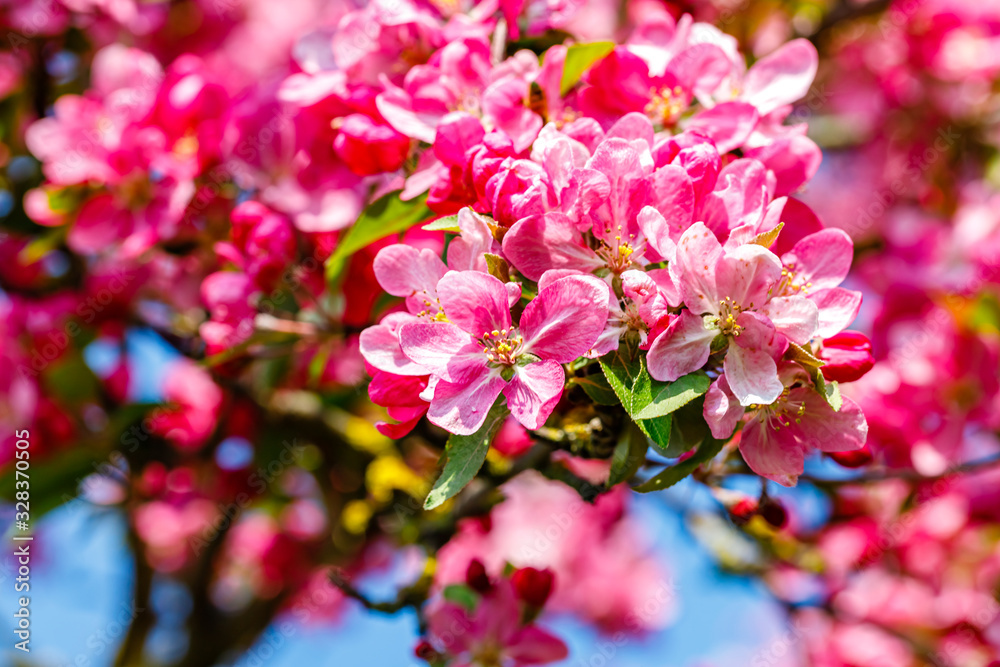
x=476 y=577
x=853 y=459
x=425 y=651
x=532 y=585
x=774 y=513
x=743 y=510
x=848 y=356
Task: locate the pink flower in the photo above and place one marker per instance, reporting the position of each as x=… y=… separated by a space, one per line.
x=492 y=633
x=728 y=292
x=476 y=353
x=369 y=147
x=777 y=437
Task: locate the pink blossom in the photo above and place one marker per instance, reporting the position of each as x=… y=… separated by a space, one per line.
x=492 y=632
x=476 y=353
x=728 y=292
x=777 y=437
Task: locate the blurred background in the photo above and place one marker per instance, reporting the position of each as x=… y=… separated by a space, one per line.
x=201 y=459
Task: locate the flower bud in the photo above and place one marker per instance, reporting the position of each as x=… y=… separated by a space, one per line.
x=853 y=459
x=425 y=651
x=532 y=585
x=476 y=577
x=848 y=356
x=774 y=513
x=743 y=510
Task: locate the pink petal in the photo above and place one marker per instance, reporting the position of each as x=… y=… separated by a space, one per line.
x=673 y=197
x=566 y=318
x=757 y=332
x=722 y=410
x=795 y=316
x=693 y=268
x=534 y=646
x=403 y=270
x=822 y=428
x=442 y=349
x=728 y=124
x=752 y=375
x=550 y=241
x=461 y=407
x=746 y=274
x=632 y=126
x=822 y=259
x=465 y=253
x=99 y=224
x=534 y=392
x=782 y=77
x=683 y=348
x=476 y=302
x=397 y=109
x=837 y=309
x=380 y=348
x=793 y=160
x=700 y=68
x=739 y=197
x=772 y=454
x=456 y=133
x=654 y=228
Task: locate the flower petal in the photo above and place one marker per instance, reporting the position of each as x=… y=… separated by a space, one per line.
x=752 y=375
x=549 y=241
x=683 y=348
x=441 y=349
x=693 y=268
x=534 y=646
x=772 y=454
x=722 y=410
x=461 y=407
x=837 y=309
x=566 y=318
x=822 y=259
x=534 y=391
x=795 y=316
x=746 y=274
x=476 y=302
x=782 y=77
x=380 y=347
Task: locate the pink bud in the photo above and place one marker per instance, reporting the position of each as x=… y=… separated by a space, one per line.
x=532 y=585
x=848 y=356
x=743 y=510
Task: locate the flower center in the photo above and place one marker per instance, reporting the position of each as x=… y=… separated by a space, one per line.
x=618 y=256
x=729 y=310
x=782 y=413
x=503 y=346
x=666 y=104
x=787 y=284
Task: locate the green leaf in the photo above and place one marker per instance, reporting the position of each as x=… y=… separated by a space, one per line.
x=625 y=370
x=669 y=396
x=466 y=454
x=831 y=392
x=629 y=454
x=675 y=473
x=597 y=388
x=580 y=58
x=448 y=223
x=461 y=595
x=386 y=216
